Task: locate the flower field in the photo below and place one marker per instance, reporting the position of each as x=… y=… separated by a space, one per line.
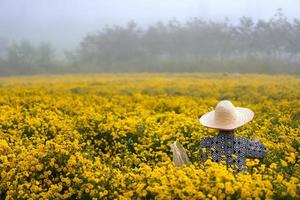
x=109 y=136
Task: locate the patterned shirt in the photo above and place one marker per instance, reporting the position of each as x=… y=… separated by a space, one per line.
x=232 y=149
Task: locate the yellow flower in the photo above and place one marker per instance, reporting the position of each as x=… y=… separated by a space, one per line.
x=228 y=188
x=283 y=163
x=279 y=178
x=273 y=166
x=108 y=136
x=291 y=158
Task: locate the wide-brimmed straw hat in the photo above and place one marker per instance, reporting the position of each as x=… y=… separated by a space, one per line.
x=226 y=116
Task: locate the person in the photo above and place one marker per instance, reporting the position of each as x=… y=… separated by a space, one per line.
x=226 y=145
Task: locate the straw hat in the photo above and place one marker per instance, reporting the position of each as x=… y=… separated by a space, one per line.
x=226 y=116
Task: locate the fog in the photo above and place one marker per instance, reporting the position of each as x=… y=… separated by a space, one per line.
x=65 y=22
x=72 y=36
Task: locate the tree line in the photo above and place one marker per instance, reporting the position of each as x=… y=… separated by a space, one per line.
x=198 y=45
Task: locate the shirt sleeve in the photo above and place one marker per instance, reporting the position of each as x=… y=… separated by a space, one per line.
x=204 y=148
x=255 y=149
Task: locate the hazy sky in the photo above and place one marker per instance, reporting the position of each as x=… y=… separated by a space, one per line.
x=65 y=22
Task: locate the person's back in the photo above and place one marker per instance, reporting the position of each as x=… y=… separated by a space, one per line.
x=231 y=148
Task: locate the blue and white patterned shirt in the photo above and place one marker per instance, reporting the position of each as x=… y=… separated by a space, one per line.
x=225 y=145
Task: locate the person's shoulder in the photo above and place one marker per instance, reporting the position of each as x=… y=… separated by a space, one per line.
x=247 y=141
x=206 y=141
x=241 y=140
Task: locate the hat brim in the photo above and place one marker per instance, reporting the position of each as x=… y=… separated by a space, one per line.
x=244 y=115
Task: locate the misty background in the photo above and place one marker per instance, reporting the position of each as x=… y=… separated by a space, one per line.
x=40 y=36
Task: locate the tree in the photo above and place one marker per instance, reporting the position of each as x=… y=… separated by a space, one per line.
x=4 y=44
